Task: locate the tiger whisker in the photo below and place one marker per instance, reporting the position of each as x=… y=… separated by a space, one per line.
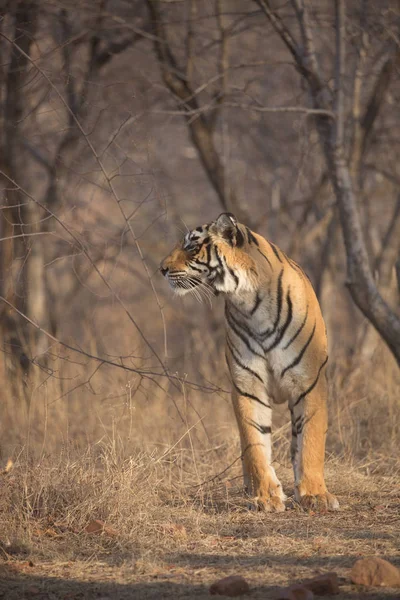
x=201 y=287
x=188 y=286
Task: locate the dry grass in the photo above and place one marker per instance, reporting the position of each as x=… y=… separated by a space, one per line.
x=146 y=498
x=127 y=459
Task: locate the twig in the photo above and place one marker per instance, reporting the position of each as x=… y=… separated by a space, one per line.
x=114 y=193
x=212 y=105
x=142 y=372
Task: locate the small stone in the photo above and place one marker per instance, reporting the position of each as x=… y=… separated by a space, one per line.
x=375 y=571
x=295 y=592
x=323 y=585
x=234 y=585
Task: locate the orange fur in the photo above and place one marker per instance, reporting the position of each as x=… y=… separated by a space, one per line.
x=276 y=352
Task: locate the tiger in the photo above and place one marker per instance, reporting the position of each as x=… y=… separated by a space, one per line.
x=276 y=352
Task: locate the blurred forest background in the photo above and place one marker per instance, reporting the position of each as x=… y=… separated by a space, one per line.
x=125 y=122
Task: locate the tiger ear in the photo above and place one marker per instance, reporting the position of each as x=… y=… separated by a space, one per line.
x=226 y=226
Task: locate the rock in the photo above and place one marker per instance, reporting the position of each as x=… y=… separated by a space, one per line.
x=323 y=585
x=295 y=592
x=97 y=526
x=234 y=585
x=375 y=572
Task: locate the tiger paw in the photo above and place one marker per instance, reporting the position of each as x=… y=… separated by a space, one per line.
x=319 y=502
x=267 y=504
x=268 y=496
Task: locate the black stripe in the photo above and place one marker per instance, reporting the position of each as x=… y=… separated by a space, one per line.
x=298 y=424
x=256 y=304
x=241 y=326
x=301 y=353
x=199 y=229
x=195 y=269
x=275 y=251
x=208 y=250
x=312 y=386
x=264 y=429
x=266 y=257
x=238 y=360
x=297 y=267
x=293 y=450
x=240 y=334
x=298 y=331
x=293 y=264
x=286 y=324
x=251 y=238
x=250 y=396
x=268 y=332
x=200 y=262
x=241 y=312
x=239 y=238
x=221 y=274
x=235 y=277
x=218 y=257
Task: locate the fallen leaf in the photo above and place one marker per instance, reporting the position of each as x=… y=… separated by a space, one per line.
x=174 y=529
x=97 y=526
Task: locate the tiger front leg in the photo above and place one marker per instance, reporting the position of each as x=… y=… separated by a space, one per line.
x=309 y=427
x=253 y=415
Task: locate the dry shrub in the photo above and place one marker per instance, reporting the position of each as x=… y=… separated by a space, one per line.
x=60 y=494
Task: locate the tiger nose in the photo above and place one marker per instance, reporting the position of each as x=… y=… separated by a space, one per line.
x=164 y=270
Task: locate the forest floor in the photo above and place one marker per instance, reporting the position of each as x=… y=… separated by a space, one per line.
x=176 y=545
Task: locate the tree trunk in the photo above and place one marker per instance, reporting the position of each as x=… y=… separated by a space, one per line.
x=360 y=280
x=20 y=281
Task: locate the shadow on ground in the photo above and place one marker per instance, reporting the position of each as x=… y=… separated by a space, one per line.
x=223 y=561
x=23 y=587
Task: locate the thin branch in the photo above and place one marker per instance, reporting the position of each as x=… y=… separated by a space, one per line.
x=356 y=143
x=142 y=372
x=199 y=128
x=340 y=73
x=281 y=29
x=304 y=56
x=250 y=107
x=310 y=58
x=117 y=200
x=283 y=109
x=84 y=251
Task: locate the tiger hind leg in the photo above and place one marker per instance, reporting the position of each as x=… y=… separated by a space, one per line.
x=309 y=426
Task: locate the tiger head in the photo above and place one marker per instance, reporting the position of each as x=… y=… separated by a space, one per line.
x=213 y=257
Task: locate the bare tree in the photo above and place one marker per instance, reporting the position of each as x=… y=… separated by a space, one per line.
x=343 y=158
x=24 y=91
x=200 y=120
x=347 y=93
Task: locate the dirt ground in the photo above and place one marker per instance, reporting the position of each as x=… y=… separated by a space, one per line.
x=183 y=548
